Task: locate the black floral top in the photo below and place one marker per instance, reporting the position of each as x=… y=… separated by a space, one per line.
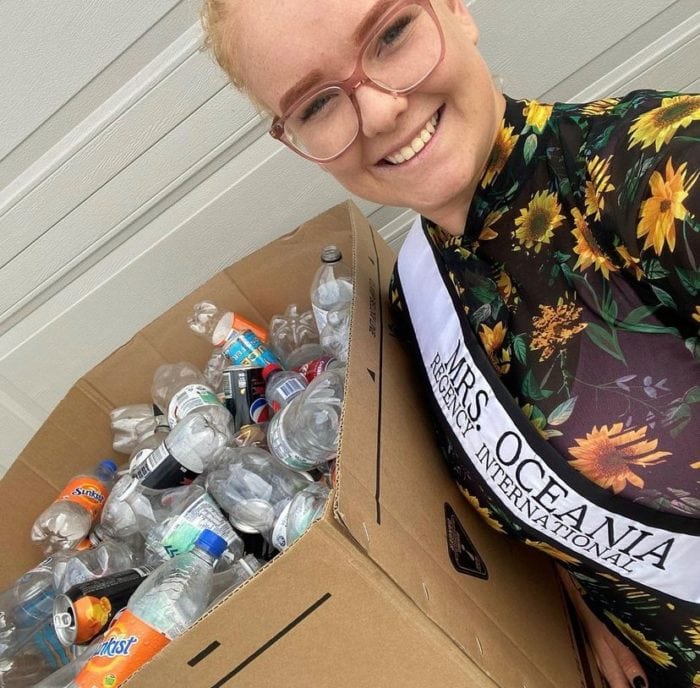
x=578 y=269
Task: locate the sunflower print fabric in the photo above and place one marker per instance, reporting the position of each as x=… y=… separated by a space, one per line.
x=578 y=271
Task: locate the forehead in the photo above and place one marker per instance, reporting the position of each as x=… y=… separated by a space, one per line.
x=280 y=41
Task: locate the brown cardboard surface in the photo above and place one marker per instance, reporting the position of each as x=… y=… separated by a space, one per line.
x=371 y=598
x=334 y=616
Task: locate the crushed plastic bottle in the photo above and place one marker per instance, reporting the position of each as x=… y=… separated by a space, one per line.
x=182 y=389
x=282 y=386
x=37 y=657
x=331 y=286
x=254 y=488
x=335 y=336
x=305 y=507
x=163 y=607
x=130 y=423
x=305 y=434
x=290 y=332
x=183 y=514
x=69 y=519
x=184 y=453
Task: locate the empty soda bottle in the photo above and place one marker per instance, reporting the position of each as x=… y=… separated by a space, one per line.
x=237 y=337
x=305 y=434
x=69 y=519
x=254 y=488
x=291 y=331
x=181 y=389
x=305 y=507
x=335 y=336
x=163 y=607
x=130 y=423
x=331 y=286
x=184 y=453
x=281 y=386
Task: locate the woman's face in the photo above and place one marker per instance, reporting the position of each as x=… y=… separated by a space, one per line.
x=280 y=42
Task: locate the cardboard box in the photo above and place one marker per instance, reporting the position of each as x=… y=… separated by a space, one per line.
x=400 y=584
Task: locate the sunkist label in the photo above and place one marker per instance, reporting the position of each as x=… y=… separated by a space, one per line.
x=89 y=492
x=129 y=643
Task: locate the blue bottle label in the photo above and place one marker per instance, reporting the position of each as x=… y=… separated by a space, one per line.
x=247 y=349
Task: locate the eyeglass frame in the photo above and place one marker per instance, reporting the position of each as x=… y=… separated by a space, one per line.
x=358 y=78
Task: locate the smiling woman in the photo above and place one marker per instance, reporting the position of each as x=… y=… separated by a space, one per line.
x=549 y=290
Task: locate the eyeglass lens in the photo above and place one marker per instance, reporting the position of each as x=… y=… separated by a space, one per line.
x=402 y=52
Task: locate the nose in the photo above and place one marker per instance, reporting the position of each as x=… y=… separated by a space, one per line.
x=379 y=110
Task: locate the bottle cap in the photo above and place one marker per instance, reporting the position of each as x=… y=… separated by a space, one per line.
x=109 y=465
x=210 y=542
x=331 y=254
x=269 y=369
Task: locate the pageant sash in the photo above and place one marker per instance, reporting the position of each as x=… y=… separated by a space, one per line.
x=529 y=479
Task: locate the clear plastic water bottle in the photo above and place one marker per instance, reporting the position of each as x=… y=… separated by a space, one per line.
x=282 y=386
x=61 y=678
x=335 y=336
x=237 y=337
x=163 y=607
x=69 y=519
x=305 y=434
x=25 y=605
x=290 y=331
x=305 y=507
x=331 y=286
x=72 y=568
x=213 y=370
x=229 y=579
x=185 y=452
x=182 y=389
x=150 y=438
x=182 y=515
x=36 y=658
x=254 y=488
x=130 y=423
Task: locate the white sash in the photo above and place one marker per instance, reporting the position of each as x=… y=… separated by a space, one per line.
x=526 y=475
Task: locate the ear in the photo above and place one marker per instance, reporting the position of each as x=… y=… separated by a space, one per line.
x=465 y=18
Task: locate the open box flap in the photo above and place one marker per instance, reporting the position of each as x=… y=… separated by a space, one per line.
x=398 y=501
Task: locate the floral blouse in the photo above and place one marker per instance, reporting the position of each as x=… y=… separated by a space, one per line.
x=578 y=270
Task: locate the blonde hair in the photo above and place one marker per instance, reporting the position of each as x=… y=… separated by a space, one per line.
x=216 y=17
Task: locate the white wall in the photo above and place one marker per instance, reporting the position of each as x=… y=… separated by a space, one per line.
x=130 y=172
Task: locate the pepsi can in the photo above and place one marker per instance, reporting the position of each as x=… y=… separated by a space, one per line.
x=244 y=395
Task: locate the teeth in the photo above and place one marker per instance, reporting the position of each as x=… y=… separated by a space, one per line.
x=418 y=143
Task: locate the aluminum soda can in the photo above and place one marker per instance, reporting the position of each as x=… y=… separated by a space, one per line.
x=314 y=368
x=247 y=349
x=244 y=395
x=86 y=609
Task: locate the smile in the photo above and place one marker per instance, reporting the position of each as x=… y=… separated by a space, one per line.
x=416 y=145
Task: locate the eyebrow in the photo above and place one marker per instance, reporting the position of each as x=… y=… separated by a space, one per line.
x=370 y=19
x=316 y=76
x=301 y=87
